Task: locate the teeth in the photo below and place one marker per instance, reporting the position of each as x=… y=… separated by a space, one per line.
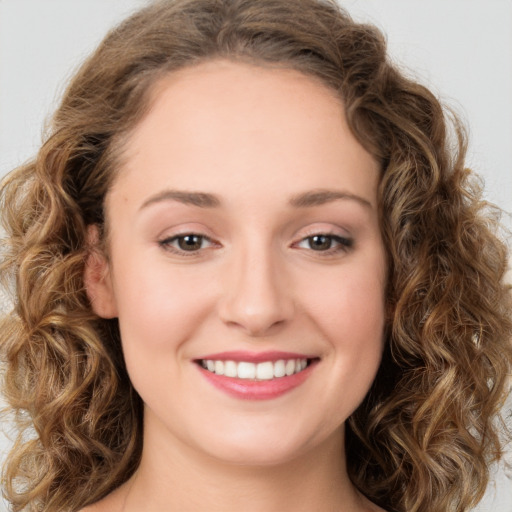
x=230 y=369
x=219 y=367
x=265 y=371
x=290 y=367
x=246 y=371
x=279 y=368
x=259 y=371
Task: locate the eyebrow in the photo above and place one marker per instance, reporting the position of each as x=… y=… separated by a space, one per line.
x=200 y=199
x=304 y=200
x=320 y=197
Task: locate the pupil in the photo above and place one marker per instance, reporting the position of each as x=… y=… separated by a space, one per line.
x=320 y=242
x=190 y=242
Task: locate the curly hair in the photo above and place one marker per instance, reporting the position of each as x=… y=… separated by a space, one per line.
x=427 y=431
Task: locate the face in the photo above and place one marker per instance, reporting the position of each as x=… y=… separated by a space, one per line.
x=246 y=265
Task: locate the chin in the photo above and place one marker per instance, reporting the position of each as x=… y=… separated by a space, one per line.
x=267 y=447
x=256 y=456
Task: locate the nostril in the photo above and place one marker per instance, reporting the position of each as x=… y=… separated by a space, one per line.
x=255 y=293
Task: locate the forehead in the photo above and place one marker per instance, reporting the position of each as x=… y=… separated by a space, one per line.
x=221 y=120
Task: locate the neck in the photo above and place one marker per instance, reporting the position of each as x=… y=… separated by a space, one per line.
x=176 y=477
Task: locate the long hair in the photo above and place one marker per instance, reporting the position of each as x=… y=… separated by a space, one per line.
x=425 y=435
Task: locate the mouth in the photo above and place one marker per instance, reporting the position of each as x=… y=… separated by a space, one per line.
x=247 y=370
x=256 y=376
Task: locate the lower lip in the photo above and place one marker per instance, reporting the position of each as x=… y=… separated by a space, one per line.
x=247 y=389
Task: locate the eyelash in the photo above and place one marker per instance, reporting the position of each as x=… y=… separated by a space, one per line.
x=341 y=244
x=166 y=244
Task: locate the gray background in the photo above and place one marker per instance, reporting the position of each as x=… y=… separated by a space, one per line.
x=462 y=49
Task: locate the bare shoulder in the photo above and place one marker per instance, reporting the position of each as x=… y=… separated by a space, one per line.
x=375 y=508
x=369 y=506
x=100 y=506
x=90 y=508
x=111 y=503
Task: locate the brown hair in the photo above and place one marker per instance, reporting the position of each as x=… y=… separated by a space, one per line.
x=425 y=435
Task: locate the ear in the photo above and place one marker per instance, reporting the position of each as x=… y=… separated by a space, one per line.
x=97 y=277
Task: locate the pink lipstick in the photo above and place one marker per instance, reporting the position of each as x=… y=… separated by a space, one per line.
x=256 y=376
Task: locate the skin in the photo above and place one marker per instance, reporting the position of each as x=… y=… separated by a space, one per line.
x=257 y=139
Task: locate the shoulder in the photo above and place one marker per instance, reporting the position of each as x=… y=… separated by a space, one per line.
x=108 y=504
x=97 y=507
x=100 y=506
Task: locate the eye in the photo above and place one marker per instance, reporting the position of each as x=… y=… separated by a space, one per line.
x=189 y=242
x=323 y=242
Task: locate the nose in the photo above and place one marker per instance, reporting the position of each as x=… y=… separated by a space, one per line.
x=256 y=297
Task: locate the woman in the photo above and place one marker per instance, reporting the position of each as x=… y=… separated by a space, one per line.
x=246 y=259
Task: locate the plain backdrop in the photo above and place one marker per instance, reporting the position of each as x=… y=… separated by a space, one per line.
x=461 y=49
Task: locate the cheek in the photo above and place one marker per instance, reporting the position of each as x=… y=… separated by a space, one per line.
x=159 y=314
x=160 y=308
x=353 y=323
x=349 y=312
x=349 y=304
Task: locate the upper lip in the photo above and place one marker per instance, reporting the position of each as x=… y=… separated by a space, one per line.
x=254 y=357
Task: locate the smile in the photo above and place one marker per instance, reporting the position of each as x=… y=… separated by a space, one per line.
x=261 y=376
x=266 y=370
